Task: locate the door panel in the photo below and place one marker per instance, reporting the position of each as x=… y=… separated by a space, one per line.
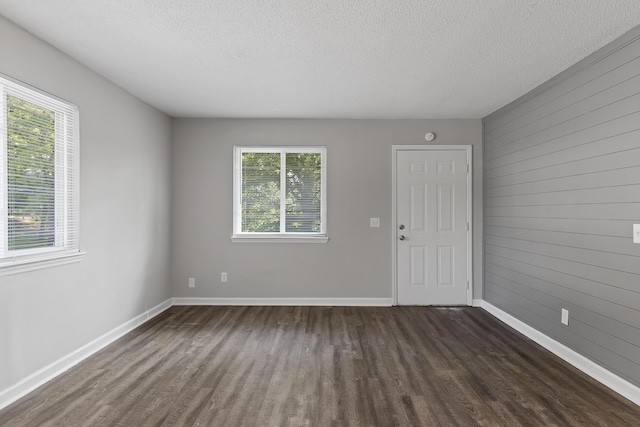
x=431 y=205
x=418 y=266
x=418 y=208
x=446 y=208
x=446 y=271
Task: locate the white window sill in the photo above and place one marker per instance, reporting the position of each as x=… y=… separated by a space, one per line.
x=239 y=238
x=31 y=264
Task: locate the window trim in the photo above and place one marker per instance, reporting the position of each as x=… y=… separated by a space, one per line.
x=22 y=265
x=246 y=237
x=67 y=141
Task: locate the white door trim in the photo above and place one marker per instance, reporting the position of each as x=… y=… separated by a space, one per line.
x=394 y=232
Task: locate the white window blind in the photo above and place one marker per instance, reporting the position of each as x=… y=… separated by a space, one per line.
x=39 y=212
x=280 y=193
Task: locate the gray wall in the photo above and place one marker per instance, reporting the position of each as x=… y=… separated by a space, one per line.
x=125 y=147
x=356 y=262
x=562 y=190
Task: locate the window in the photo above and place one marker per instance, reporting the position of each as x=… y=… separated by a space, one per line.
x=38 y=177
x=279 y=194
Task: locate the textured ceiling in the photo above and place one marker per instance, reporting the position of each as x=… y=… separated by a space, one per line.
x=326 y=58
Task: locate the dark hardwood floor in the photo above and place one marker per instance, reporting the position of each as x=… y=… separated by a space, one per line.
x=322 y=366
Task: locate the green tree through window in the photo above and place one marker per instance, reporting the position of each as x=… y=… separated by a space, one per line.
x=30 y=175
x=303 y=199
x=260 y=192
x=39 y=178
x=281 y=190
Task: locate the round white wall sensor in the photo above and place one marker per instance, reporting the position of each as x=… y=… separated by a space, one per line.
x=430 y=136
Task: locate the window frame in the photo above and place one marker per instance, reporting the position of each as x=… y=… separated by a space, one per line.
x=239 y=236
x=66 y=182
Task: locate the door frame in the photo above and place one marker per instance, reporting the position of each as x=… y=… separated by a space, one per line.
x=394 y=232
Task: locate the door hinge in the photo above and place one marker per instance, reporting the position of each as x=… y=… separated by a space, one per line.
x=467 y=226
x=467 y=168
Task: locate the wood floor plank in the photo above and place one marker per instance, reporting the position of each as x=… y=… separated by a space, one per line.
x=322 y=366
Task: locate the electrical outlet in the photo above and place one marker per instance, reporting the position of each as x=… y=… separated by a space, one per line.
x=374 y=222
x=636 y=233
x=223 y=277
x=192 y=282
x=565 y=317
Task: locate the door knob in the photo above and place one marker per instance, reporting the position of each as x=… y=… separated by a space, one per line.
x=401 y=227
x=401 y=237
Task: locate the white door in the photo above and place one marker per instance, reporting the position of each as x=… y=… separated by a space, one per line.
x=431 y=226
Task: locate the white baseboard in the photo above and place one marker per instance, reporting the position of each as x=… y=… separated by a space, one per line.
x=574 y=358
x=477 y=303
x=362 y=302
x=38 y=378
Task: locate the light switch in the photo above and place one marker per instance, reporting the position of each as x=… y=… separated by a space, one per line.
x=636 y=233
x=374 y=222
